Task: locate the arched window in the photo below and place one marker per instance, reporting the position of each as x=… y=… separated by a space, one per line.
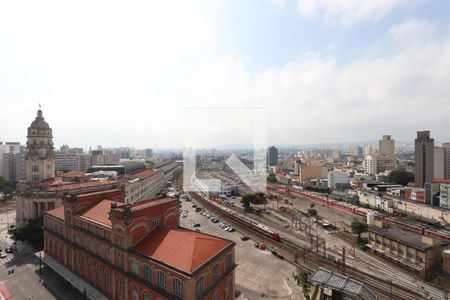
x=147 y=273
x=215 y=273
x=199 y=286
x=162 y=279
x=135 y=293
x=147 y=296
x=216 y=295
x=100 y=278
x=177 y=287
x=134 y=266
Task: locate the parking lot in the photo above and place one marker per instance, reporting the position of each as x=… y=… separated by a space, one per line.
x=260 y=275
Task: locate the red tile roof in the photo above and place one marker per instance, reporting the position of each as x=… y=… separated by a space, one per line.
x=57 y=212
x=99 y=213
x=180 y=248
x=144 y=174
x=151 y=202
x=76 y=186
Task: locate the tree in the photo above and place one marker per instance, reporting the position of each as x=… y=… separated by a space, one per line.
x=401 y=177
x=312 y=205
x=312 y=212
x=359 y=227
x=7 y=186
x=245 y=202
x=272 y=178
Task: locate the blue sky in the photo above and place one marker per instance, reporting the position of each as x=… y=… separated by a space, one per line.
x=122 y=73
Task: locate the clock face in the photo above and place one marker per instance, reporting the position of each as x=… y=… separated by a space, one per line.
x=34 y=157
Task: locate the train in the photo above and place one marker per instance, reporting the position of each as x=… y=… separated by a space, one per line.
x=362 y=212
x=246 y=221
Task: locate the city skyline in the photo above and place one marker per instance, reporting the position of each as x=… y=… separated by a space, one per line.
x=358 y=65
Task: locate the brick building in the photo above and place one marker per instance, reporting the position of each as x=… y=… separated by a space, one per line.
x=111 y=249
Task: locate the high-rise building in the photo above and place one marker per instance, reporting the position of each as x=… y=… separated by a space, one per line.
x=386 y=146
x=424 y=158
x=273 y=156
x=446 y=147
x=438 y=162
x=12 y=164
x=40 y=153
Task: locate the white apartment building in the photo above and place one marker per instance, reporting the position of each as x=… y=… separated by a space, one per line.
x=143 y=185
x=69 y=161
x=374 y=164
x=444 y=200
x=336 y=178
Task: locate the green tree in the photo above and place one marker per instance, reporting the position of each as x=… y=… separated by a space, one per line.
x=7 y=186
x=272 y=178
x=312 y=212
x=359 y=227
x=401 y=177
x=246 y=202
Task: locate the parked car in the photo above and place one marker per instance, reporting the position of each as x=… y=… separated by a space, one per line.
x=197 y=225
x=8 y=250
x=3 y=254
x=244 y=238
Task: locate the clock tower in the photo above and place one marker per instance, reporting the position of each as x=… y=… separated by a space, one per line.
x=40 y=153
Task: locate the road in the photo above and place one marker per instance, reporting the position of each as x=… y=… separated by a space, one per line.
x=25 y=282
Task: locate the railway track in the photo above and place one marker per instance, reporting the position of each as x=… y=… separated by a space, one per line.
x=310 y=260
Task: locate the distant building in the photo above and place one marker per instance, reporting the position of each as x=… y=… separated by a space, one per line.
x=12 y=161
x=439 y=163
x=273 y=156
x=40 y=154
x=424 y=158
x=386 y=146
x=72 y=161
x=114 y=250
x=375 y=164
x=308 y=172
x=100 y=158
x=143 y=185
x=446 y=147
x=336 y=178
x=444 y=196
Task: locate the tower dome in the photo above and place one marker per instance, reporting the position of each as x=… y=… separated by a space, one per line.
x=39 y=121
x=40 y=153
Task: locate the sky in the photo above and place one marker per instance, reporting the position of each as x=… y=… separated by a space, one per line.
x=124 y=73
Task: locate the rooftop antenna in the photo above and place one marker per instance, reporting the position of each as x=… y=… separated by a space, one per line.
x=39 y=105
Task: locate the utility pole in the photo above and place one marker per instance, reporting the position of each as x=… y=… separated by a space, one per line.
x=343 y=259
x=304 y=254
x=390 y=289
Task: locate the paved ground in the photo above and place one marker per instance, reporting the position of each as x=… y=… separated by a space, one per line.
x=260 y=275
x=26 y=282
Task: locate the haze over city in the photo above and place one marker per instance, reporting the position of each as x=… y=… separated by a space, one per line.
x=114 y=74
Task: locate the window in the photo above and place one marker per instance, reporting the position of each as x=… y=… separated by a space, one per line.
x=162 y=279
x=34 y=168
x=228 y=291
x=215 y=273
x=216 y=295
x=199 y=286
x=108 y=280
x=177 y=286
x=134 y=266
x=108 y=253
x=99 y=249
x=156 y=223
x=92 y=246
x=84 y=264
x=147 y=273
x=100 y=278
x=147 y=296
x=91 y=270
x=135 y=293
x=228 y=262
x=48 y=167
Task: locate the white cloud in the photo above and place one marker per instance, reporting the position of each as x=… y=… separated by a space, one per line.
x=413 y=30
x=314 y=99
x=349 y=12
